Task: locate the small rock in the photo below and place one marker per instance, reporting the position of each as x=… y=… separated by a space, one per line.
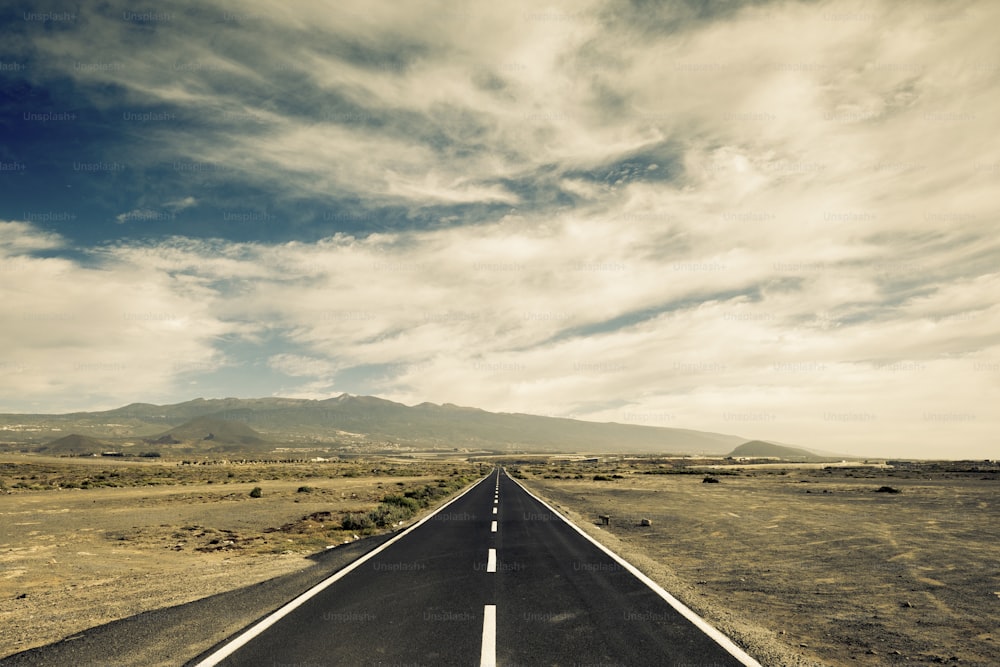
x=906 y=603
x=21 y=596
x=871 y=651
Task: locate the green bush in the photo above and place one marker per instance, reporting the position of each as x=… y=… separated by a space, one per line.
x=256 y=492
x=410 y=504
x=387 y=515
x=356 y=522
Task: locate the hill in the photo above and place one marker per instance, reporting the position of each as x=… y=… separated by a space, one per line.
x=214 y=433
x=762 y=449
x=75 y=444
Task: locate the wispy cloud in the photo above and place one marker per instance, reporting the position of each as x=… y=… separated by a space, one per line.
x=166 y=212
x=181 y=204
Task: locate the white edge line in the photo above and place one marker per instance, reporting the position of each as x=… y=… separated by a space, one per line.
x=243 y=638
x=488 y=651
x=703 y=625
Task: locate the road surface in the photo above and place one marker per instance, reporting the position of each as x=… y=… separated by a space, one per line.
x=495 y=577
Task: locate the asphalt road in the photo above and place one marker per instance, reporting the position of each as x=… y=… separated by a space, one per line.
x=495 y=577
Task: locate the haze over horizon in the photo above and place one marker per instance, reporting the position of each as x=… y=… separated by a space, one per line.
x=775 y=219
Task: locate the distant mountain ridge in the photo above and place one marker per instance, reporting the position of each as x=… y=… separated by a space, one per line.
x=429 y=424
x=346 y=420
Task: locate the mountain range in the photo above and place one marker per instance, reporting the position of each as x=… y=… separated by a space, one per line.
x=351 y=421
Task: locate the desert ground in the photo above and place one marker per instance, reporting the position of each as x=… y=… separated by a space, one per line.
x=809 y=566
x=804 y=565
x=144 y=535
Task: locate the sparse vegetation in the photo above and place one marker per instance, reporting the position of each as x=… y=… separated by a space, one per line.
x=394 y=508
x=256 y=492
x=23 y=474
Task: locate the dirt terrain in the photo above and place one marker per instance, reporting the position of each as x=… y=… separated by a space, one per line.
x=810 y=566
x=804 y=566
x=142 y=536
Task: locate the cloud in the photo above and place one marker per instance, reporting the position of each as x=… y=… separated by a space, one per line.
x=181 y=204
x=167 y=212
x=302 y=366
x=139 y=214
x=20 y=238
x=507 y=315
x=773 y=219
x=76 y=335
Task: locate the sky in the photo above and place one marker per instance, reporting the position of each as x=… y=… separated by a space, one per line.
x=770 y=219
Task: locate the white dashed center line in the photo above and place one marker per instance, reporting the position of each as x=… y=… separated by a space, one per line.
x=488 y=652
x=493 y=527
x=491 y=561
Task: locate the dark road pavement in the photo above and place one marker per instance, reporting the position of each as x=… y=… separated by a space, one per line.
x=493 y=577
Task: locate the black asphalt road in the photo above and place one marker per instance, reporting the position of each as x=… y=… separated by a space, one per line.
x=427 y=599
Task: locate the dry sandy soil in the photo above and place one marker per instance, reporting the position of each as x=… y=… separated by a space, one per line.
x=813 y=567
x=809 y=567
x=75 y=558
